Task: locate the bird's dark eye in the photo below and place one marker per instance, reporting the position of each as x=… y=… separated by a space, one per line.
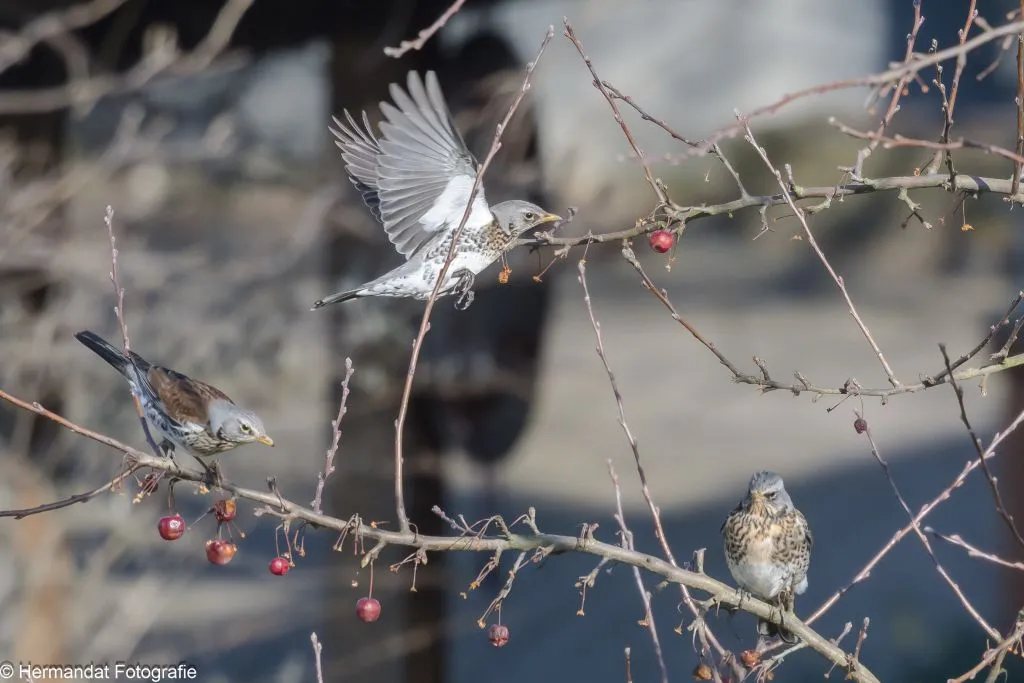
x=245 y=428
x=770 y=495
x=529 y=216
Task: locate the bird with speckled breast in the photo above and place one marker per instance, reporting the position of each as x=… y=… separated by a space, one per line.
x=768 y=547
x=416 y=179
x=186 y=413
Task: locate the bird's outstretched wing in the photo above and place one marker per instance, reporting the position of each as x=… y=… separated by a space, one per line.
x=417 y=177
x=360 y=149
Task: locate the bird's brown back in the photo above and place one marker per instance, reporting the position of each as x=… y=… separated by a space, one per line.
x=186 y=399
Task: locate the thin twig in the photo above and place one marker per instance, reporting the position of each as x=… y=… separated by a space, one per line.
x=317 y=658
x=972 y=551
x=887 y=77
x=659 y=530
x=645 y=596
x=765 y=382
x=423 y=36
x=71 y=500
x=996 y=655
x=799 y=213
x=976 y=442
x=897 y=93
x=992 y=633
x=898 y=140
x=948 y=370
x=599 y=84
x=715 y=149
x=108 y=219
x=925 y=510
x=403 y=519
x=321 y=477
x=1020 y=107
x=949 y=104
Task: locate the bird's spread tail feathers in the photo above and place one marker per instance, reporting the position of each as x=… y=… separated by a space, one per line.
x=337 y=298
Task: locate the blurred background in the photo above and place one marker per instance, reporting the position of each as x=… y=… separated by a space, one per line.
x=204 y=124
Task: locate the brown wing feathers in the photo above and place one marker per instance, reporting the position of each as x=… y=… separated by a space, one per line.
x=185 y=399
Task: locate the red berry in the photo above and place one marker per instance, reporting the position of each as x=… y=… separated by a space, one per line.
x=220 y=552
x=279 y=566
x=498 y=635
x=702 y=673
x=368 y=609
x=860 y=425
x=225 y=509
x=171 y=527
x=661 y=241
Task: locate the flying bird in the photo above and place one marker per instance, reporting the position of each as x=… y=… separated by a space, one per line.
x=416 y=179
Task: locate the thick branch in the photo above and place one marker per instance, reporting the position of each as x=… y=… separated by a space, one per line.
x=961 y=183
x=550 y=543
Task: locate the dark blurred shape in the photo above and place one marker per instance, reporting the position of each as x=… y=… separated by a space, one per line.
x=39 y=139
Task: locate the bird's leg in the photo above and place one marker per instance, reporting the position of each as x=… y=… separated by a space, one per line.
x=463 y=289
x=744 y=596
x=786 y=600
x=167 y=449
x=213 y=477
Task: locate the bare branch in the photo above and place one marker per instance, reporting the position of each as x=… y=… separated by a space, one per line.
x=599 y=84
x=976 y=442
x=423 y=36
x=321 y=477
x=799 y=213
x=273 y=503
x=915 y=524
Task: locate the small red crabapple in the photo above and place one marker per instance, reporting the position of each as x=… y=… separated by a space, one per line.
x=279 y=566
x=225 y=509
x=368 y=609
x=860 y=425
x=220 y=552
x=498 y=635
x=661 y=241
x=171 y=527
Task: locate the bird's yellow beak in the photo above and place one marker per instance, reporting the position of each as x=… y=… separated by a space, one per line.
x=265 y=440
x=549 y=218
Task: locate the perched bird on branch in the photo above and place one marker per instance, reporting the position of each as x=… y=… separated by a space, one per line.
x=417 y=179
x=186 y=413
x=768 y=547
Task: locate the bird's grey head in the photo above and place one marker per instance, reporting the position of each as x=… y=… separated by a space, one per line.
x=237 y=424
x=516 y=216
x=767 y=491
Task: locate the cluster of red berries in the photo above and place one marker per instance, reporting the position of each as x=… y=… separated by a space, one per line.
x=218 y=551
